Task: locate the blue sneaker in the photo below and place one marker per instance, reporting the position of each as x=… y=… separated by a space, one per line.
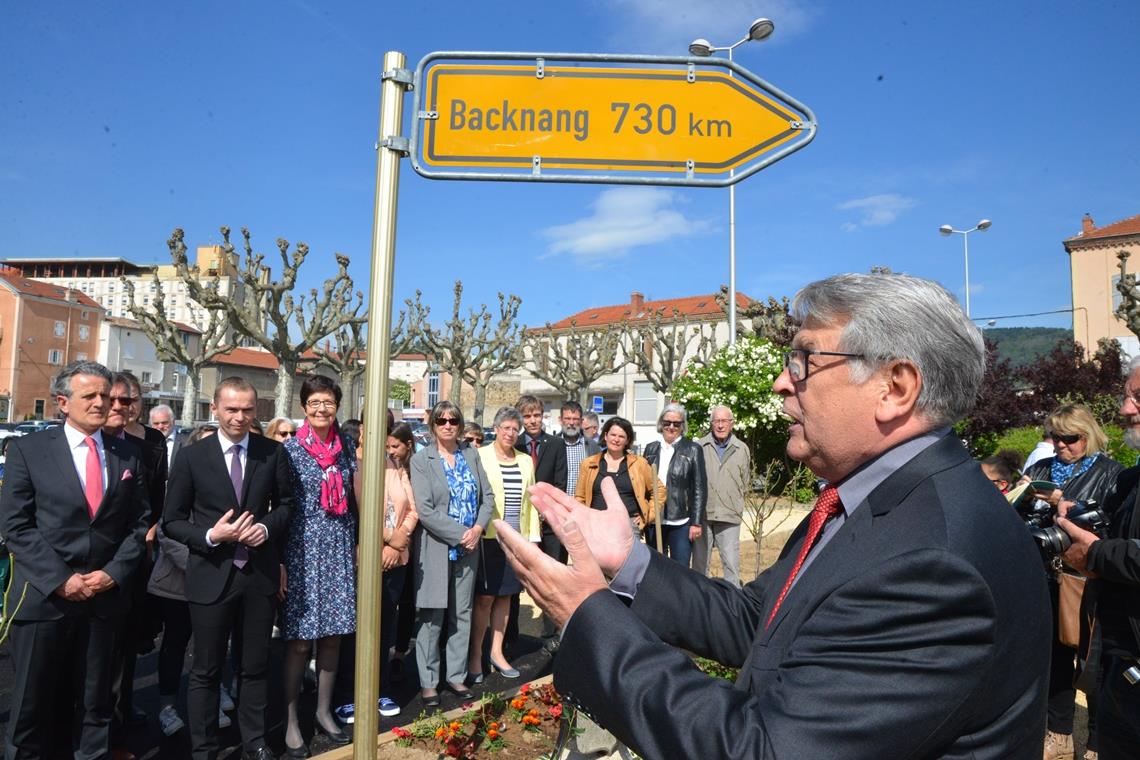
x=346 y=714
x=388 y=708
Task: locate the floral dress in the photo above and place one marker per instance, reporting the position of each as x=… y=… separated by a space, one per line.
x=320 y=552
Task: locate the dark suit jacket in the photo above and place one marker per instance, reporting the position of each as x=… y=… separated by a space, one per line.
x=921 y=630
x=199 y=492
x=45 y=521
x=154 y=457
x=551 y=467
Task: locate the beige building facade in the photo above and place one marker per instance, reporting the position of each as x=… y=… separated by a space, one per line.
x=1095 y=271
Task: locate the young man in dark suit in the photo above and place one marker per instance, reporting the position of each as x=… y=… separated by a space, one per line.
x=548 y=454
x=228 y=500
x=907 y=616
x=74 y=514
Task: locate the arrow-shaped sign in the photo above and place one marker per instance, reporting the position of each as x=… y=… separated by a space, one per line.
x=666 y=119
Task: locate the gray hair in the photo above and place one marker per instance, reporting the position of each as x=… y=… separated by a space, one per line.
x=888 y=317
x=674 y=408
x=1134 y=364
x=592 y=416
x=508 y=413
x=61 y=383
x=161 y=408
x=718 y=407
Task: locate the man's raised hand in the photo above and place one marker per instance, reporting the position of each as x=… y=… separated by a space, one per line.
x=606 y=532
x=556 y=588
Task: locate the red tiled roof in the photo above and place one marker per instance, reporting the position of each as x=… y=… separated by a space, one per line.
x=248 y=357
x=692 y=306
x=1129 y=226
x=46 y=289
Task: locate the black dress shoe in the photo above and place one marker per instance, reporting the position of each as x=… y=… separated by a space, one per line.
x=298 y=752
x=461 y=691
x=336 y=736
x=261 y=753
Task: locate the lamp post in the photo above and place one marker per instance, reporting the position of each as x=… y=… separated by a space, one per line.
x=982 y=226
x=761 y=29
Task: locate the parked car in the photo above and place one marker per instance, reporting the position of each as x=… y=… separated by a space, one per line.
x=35 y=426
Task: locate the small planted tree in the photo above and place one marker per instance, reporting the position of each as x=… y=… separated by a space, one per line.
x=766 y=509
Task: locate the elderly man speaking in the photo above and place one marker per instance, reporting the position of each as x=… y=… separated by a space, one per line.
x=907 y=616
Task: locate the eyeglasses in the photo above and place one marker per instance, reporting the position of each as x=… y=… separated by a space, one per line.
x=453 y=421
x=286 y=433
x=320 y=404
x=671 y=423
x=124 y=400
x=796 y=361
x=472 y=439
x=1068 y=440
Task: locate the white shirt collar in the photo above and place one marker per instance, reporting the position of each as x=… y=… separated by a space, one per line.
x=226 y=444
x=76 y=437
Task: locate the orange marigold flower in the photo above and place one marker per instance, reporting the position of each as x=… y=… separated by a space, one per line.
x=492 y=734
x=441 y=733
x=455 y=725
x=494 y=725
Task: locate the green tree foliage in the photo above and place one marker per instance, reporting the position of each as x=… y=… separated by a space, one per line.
x=740 y=376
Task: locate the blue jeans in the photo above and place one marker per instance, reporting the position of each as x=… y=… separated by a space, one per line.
x=676 y=539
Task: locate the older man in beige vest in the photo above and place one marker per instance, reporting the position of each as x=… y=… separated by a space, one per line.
x=728 y=464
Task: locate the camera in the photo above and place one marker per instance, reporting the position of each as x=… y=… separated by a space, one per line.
x=1051 y=540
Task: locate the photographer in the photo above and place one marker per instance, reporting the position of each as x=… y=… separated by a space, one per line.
x=1114 y=595
x=1081 y=472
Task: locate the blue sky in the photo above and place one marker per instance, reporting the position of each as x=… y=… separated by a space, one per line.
x=120 y=121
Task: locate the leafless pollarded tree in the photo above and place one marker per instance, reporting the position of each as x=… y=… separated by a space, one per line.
x=346 y=359
x=1129 y=309
x=662 y=345
x=769 y=319
x=270 y=308
x=571 y=359
x=473 y=347
x=169 y=339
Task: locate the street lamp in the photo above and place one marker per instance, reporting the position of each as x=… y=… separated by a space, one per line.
x=761 y=29
x=982 y=226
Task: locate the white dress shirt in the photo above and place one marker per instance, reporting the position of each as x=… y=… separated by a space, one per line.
x=76 y=442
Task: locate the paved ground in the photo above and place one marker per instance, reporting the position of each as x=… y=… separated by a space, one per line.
x=147 y=741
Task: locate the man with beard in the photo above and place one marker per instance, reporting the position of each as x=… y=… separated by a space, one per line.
x=1113 y=592
x=907 y=615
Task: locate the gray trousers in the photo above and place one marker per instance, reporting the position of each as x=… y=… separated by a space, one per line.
x=429 y=624
x=726 y=537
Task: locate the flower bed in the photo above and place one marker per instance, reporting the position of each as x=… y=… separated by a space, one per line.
x=524 y=727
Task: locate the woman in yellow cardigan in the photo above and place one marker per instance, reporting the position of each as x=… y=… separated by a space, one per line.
x=510 y=473
x=633 y=475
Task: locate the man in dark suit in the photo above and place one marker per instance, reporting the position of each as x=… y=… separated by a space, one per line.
x=906 y=617
x=228 y=500
x=548 y=453
x=74 y=513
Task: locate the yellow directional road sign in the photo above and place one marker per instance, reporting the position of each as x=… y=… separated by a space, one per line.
x=571 y=117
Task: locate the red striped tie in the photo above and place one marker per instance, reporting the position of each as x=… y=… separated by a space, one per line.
x=826 y=506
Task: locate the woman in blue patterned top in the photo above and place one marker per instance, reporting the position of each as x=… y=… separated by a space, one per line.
x=455 y=502
x=320 y=556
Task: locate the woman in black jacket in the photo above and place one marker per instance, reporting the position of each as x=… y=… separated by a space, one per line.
x=680 y=464
x=1082 y=471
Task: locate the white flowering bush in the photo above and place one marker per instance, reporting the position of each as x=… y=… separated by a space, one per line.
x=740 y=376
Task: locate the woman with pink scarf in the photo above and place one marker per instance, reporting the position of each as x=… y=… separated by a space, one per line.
x=320 y=557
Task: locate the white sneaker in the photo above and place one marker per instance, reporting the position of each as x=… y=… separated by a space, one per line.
x=223 y=720
x=225 y=701
x=169 y=720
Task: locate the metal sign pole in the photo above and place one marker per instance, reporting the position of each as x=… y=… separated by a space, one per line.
x=369 y=581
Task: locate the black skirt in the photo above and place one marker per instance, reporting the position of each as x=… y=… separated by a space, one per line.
x=496 y=577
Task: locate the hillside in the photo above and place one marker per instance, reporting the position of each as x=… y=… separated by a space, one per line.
x=1021 y=345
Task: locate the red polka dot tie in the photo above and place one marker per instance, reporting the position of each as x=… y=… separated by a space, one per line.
x=826 y=506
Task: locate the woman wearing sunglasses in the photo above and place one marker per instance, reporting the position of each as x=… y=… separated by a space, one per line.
x=280 y=429
x=680 y=464
x=455 y=502
x=1082 y=472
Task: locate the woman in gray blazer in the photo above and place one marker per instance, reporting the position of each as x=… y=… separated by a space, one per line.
x=455 y=502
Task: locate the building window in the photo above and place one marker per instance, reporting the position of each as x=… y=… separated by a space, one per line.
x=84 y=332
x=432 y=389
x=81 y=356
x=644 y=403
x=38 y=408
x=1116 y=297
x=84 y=314
x=60 y=329
x=55 y=356
x=145 y=378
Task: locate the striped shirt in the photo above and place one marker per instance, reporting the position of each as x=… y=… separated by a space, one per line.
x=512 y=493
